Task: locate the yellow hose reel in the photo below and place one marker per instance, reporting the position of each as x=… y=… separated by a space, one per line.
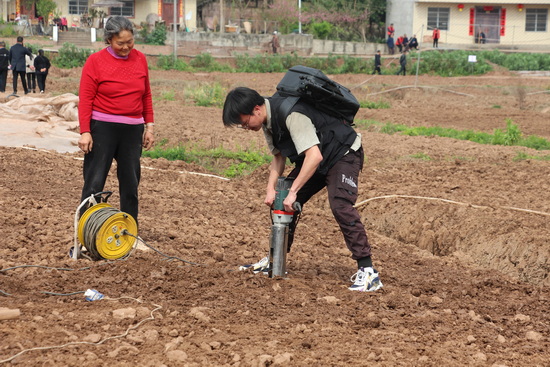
x=105 y=232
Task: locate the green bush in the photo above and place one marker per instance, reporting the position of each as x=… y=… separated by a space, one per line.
x=156 y=37
x=518 y=61
x=69 y=56
x=8 y=31
x=451 y=63
x=321 y=30
x=355 y=65
x=206 y=62
x=375 y=105
x=218 y=160
x=165 y=62
x=442 y=63
x=512 y=136
x=208 y=95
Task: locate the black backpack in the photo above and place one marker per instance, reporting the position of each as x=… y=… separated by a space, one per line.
x=315 y=88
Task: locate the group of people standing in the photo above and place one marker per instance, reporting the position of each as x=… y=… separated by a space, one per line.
x=31 y=69
x=403 y=43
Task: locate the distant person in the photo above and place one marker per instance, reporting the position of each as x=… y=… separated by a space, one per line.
x=31 y=75
x=405 y=42
x=482 y=38
x=399 y=43
x=275 y=44
x=391 y=30
x=377 y=63
x=403 y=63
x=64 y=24
x=391 y=44
x=18 y=65
x=413 y=42
x=435 y=35
x=115 y=113
x=41 y=67
x=4 y=65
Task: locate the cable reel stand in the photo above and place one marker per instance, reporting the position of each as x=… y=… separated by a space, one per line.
x=104 y=231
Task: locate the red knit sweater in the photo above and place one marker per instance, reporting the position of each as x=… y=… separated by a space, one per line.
x=115 y=86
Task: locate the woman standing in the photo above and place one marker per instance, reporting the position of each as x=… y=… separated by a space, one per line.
x=41 y=66
x=115 y=114
x=31 y=75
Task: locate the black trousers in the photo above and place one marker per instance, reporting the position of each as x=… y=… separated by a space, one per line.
x=31 y=81
x=3 y=80
x=341 y=182
x=123 y=143
x=23 y=81
x=41 y=81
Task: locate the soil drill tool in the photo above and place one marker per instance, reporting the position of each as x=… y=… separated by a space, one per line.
x=281 y=219
x=104 y=231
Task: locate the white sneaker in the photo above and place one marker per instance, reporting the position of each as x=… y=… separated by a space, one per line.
x=260 y=266
x=365 y=280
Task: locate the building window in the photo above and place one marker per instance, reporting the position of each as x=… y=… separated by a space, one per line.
x=78 y=6
x=126 y=10
x=438 y=18
x=535 y=20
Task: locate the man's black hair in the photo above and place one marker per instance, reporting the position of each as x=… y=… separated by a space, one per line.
x=19 y=39
x=240 y=101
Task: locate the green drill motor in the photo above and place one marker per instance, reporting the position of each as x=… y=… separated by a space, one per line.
x=281 y=219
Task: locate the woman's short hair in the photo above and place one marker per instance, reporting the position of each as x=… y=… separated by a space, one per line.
x=115 y=25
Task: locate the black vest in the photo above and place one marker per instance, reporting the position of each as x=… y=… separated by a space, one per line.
x=335 y=135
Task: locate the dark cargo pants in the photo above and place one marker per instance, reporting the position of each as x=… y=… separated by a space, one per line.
x=341 y=182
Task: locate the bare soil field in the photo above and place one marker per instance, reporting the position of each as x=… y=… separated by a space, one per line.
x=459 y=231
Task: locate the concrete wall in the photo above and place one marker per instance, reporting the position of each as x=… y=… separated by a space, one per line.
x=303 y=44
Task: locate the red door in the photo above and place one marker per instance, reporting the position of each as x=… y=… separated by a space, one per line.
x=168 y=11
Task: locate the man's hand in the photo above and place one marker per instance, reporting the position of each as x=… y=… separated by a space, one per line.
x=289 y=201
x=276 y=169
x=270 y=196
x=85 y=142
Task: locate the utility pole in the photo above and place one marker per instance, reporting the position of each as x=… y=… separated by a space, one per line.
x=418 y=59
x=222 y=18
x=175 y=30
x=299 y=16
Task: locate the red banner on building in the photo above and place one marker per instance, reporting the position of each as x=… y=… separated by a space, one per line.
x=502 y=21
x=472 y=20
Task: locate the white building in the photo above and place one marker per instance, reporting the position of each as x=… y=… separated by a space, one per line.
x=504 y=22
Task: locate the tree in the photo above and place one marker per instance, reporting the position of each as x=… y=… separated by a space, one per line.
x=284 y=13
x=45 y=7
x=349 y=17
x=377 y=18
